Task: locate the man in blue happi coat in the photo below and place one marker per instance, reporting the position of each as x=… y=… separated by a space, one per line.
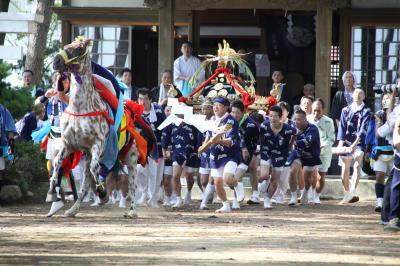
x=7 y=133
x=249 y=138
x=304 y=157
x=353 y=126
x=225 y=153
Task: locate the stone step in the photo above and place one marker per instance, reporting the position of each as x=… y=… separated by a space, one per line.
x=333 y=188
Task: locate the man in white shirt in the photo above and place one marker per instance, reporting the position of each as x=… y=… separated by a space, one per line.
x=184 y=68
x=126 y=78
x=326 y=131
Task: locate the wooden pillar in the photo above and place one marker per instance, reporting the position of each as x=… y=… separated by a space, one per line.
x=345 y=40
x=323 y=53
x=194 y=31
x=66 y=32
x=166 y=37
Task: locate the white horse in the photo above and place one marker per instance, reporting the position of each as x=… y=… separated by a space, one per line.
x=85 y=125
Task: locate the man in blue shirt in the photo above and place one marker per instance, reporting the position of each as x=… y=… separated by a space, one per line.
x=249 y=138
x=7 y=133
x=184 y=142
x=276 y=138
x=353 y=126
x=304 y=157
x=29 y=123
x=204 y=171
x=224 y=145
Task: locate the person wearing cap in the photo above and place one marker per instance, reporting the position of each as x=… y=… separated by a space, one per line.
x=204 y=171
x=184 y=142
x=225 y=152
x=249 y=135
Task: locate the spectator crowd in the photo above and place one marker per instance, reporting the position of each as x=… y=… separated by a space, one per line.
x=289 y=147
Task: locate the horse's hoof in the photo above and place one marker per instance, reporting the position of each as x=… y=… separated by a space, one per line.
x=68 y=214
x=104 y=200
x=51 y=197
x=131 y=215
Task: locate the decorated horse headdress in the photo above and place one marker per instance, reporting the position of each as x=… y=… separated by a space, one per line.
x=72 y=56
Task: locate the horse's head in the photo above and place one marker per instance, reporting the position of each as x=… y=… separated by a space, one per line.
x=71 y=58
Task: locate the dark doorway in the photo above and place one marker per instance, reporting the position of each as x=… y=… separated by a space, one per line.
x=145 y=56
x=291 y=48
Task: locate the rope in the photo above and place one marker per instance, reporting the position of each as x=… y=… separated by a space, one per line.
x=95 y=113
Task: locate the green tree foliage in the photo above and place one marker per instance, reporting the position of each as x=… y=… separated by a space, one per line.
x=28 y=167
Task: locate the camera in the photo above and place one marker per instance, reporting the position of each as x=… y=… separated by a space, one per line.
x=385 y=88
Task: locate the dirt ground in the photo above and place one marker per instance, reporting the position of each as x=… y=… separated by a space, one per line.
x=305 y=235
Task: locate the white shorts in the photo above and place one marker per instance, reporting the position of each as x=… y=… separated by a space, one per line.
x=357 y=155
x=204 y=171
x=229 y=168
x=268 y=164
x=53 y=146
x=243 y=167
x=326 y=163
x=306 y=168
x=189 y=170
x=167 y=170
x=265 y=163
x=2 y=163
x=383 y=164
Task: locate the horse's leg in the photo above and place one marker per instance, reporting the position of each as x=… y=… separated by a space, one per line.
x=54 y=194
x=131 y=160
x=63 y=152
x=84 y=189
x=73 y=186
x=97 y=170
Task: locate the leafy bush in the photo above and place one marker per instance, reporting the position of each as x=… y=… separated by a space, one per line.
x=18 y=102
x=28 y=167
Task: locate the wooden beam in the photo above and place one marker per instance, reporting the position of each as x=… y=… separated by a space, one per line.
x=166 y=37
x=292 y=5
x=240 y=4
x=323 y=53
x=117 y=16
x=5 y=16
